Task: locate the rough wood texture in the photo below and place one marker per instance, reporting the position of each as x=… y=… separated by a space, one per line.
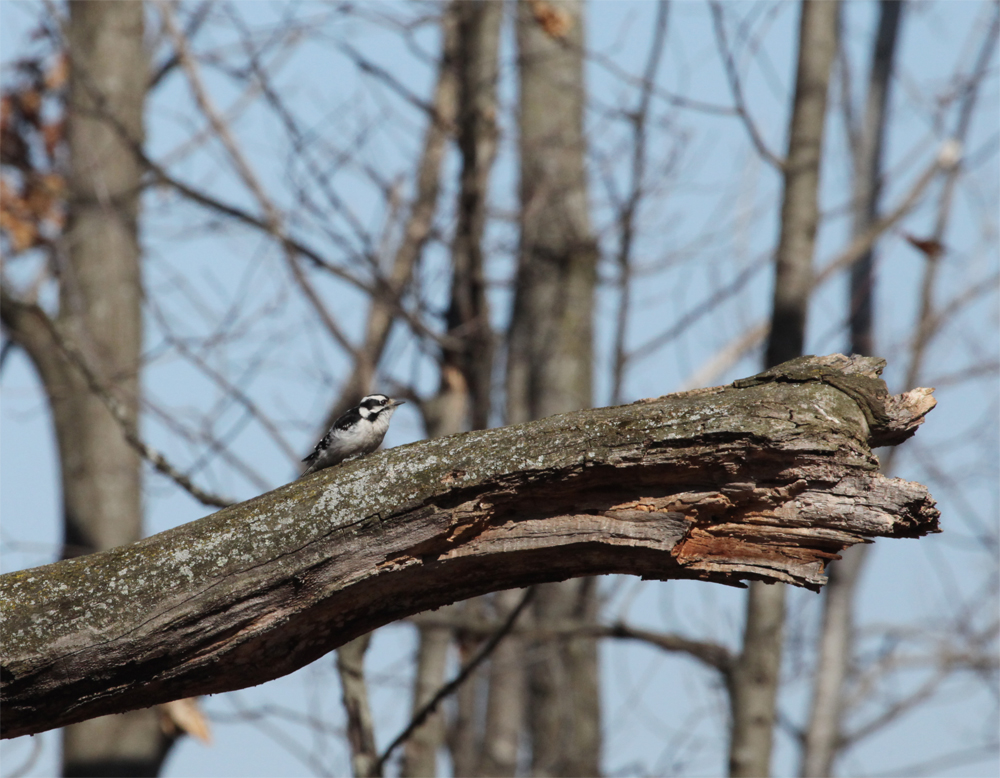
x=765 y=479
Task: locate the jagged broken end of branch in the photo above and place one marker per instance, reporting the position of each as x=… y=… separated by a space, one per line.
x=767 y=479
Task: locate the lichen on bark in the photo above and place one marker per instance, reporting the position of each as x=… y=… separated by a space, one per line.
x=766 y=479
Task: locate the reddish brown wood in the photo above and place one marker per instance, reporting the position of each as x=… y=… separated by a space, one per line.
x=766 y=479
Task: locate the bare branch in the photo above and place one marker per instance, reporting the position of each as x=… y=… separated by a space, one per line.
x=117 y=410
x=360 y=727
x=736 y=87
x=752 y=337
x=264 y=587
x=714 y=655
x=629 y=211
x=926 y=321
x=449 y=688
x=272 y=216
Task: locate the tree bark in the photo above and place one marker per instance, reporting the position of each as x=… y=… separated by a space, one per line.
x=505 y=706
x=360 y=726
x=754 y=682
x=766 y=479
x=550 y=348
x=100 y=293
x=550 y=344
x=100 y=308
x=477 y=71
x=800 y=200
x=464 y=392
x=823 y=731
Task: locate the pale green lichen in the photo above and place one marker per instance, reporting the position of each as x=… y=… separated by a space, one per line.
x=113 y=592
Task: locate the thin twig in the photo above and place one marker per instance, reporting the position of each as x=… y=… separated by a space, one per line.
x=629 y=212
x=246 y=173
x=226 y=385
x=115 y=407
x=737 y=89
x=450 y=687
x=926 y=321
x=751 y=337
x=711 y=654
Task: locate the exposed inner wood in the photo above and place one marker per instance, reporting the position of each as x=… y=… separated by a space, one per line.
x=767 y=479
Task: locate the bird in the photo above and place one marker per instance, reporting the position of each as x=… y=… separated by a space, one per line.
x=359 y=431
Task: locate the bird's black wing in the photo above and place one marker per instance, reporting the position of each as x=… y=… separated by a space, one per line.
x=345 y=421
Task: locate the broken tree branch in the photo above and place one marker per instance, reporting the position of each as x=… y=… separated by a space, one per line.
x=765 y=479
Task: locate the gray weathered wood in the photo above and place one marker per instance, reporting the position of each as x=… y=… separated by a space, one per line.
x=765 y=479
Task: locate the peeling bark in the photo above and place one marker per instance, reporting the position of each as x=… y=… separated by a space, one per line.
x=766 y=479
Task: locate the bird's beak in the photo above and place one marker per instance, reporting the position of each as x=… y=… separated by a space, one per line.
x=394 y=403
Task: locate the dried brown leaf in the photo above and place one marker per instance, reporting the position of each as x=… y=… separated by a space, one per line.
x=185 y=716
x=931 y=248
x=556 y=22
x=30 y=103
x=58 y=72
x=52 y=135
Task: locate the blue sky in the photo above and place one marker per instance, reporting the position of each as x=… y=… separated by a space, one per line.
x=712 y=216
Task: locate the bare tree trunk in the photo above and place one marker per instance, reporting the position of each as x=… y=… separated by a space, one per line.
x=465 y=736
x=360 y=726
x=550 y=343
x=800 y=208
x=100 y=307
x=754 y=685
x=505 y=705
x=824 y=727
x=299 y=571
x=468 y=315
x=550 y=349
x=420 y=755
x=467 y=367
x=416 y=231
x=754 y=682
x=867 y=158
x=629 y=214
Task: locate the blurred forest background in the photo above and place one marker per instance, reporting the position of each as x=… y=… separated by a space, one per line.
x=223 y=223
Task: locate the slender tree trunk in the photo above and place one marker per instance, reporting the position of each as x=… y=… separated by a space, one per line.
x=100 y=308
x=465 y=736
x=800 y=202
x=469 y=315
x=505 y=705
x=550 y=343
x=754 y=684
x=421 y=750
x=824 y=727
x=360 y=726
x=381 y=315
x=416 y=231
x=867 y=159
x=550 y=349
x=466 y=368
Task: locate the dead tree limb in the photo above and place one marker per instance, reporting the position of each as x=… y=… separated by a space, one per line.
x=765 y=479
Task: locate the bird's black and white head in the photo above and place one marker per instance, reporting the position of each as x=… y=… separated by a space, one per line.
x=359 y=431
x=377 y=406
